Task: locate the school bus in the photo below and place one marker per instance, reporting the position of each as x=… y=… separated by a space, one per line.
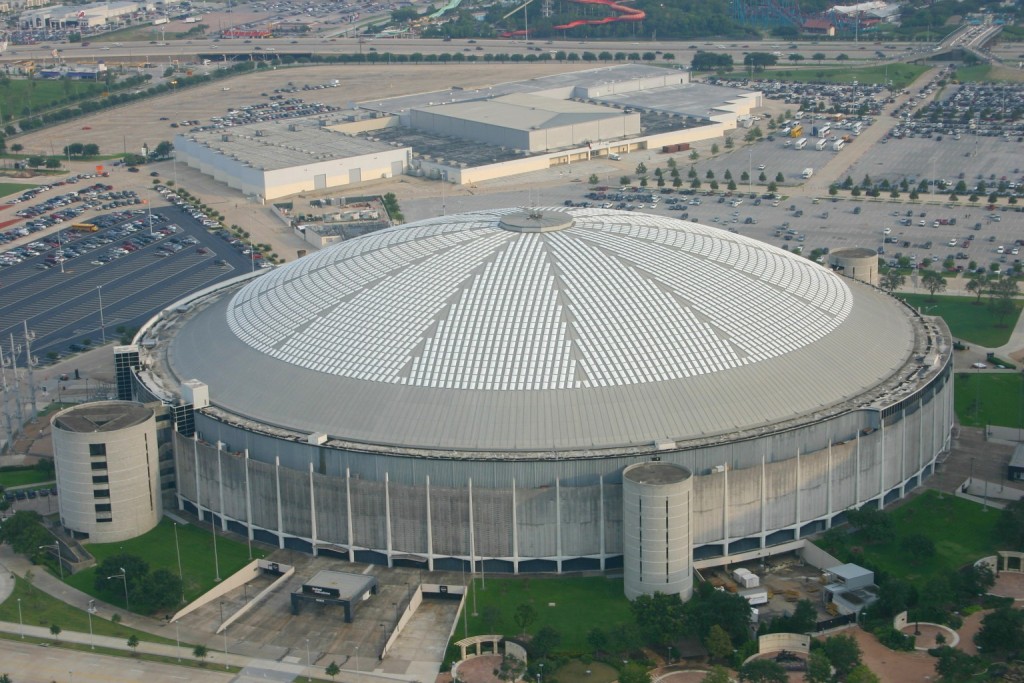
x=84 y=227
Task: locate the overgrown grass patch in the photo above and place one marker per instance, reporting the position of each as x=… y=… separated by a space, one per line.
x=572 y=606
x=962 y=530
x=975 y=323
x=989 y=398
x=158 y=548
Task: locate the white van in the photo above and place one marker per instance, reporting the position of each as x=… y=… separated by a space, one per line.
x=614 y=157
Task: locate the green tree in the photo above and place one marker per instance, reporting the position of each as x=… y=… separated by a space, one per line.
x=718 y=674
x=660 y=617
x=935 y=284
x=718 y=643
x=708 y=607
x=624 y=180
x=23 y=531
x=55 y=630
x=1003 y=292
x=919 y=546
x=872 y=523
x=544 y=642
x=779 y=178
x=763 y=671
x=332 y=670
x=634 y=673
x=593 y=179
x=862 y=674
x=641 y=169
x=90 y=150
x=52 y=162
x=133 y=643
x=1002 y=632
x=729 y=144
x=201 y=652
x=819 y=669
x=597 y=639
x=844 y=653
x=954 y=666
x=714 y=148
x=524 y=616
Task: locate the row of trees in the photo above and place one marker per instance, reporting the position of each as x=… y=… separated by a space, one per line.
x=148 y=591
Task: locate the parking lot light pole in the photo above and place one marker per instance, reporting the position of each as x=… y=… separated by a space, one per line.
x=124 y=577
x=21 y=623
x=103 y=328
x=60 y=565
x=177 y=549
x=308 y=675
x=89 y=611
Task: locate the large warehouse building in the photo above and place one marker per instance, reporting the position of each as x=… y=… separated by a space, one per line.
x=472 y=388
x=467 y=134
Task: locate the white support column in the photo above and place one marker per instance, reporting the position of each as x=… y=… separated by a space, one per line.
x=248 y=498
x=430 y=532
x=515 y=531
x=799 y=485
x=312 y=512
x=195 y=463
x=600 y=521
x=220 y=491
x=558 y=524
x=856 y=482
x=881 y=468
x=903 y=454
x=280 y=515
x=348 y=505
x=828 y=489
x=387 y=518
x=725 y=512
x=764 y=502
x=472 y=537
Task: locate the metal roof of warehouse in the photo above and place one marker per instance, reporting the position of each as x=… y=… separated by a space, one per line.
x=623 y=329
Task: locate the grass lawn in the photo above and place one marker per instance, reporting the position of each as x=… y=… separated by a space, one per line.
x=576 y=671
x=986 y=398
x=572 y=606
x=900 y=74
x=11 y=188
x=962 y=530
x=974 y=323
x=40 y=609
x=20 y=476
x=157 y=547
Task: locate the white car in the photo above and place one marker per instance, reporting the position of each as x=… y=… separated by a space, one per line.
x=761 y=167
x=980 y=366
x=887 y=231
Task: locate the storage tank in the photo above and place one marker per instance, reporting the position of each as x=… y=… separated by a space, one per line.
x=859 y=263
x=657 y=546
x=108 y=470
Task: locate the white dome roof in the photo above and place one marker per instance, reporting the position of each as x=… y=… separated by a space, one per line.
x=620 y=320
x=460 y=303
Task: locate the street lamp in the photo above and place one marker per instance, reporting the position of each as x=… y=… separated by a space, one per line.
x=60 y=565
x=124 y=577
x=89 y=611
x=357 y=655
x=21 y=624
x=307 y=660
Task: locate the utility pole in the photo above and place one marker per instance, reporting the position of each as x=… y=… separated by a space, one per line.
x=19 y=409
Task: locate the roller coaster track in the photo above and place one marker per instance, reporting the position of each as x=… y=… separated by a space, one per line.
x=626 y=14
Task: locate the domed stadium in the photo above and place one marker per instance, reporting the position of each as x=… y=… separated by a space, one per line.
x=467 y=391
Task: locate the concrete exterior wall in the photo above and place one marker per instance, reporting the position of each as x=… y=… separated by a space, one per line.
x=133 y=472
x=283 y=182
x=557 y=514
x=863 y=268
x=657 y=546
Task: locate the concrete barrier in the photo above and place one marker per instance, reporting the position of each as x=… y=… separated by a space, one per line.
x=242 y=576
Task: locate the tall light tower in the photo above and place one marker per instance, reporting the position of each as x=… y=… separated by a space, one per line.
x=18 y=408
x=31 y=361
x=8 y=417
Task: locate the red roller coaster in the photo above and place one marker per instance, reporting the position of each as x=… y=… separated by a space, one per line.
x=627 y=14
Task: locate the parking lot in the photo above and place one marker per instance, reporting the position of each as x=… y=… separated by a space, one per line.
x=82 y=286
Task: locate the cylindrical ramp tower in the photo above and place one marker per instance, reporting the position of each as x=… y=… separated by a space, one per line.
x=657 y=545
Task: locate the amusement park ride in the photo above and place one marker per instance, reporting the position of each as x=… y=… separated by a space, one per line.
x=626 y=13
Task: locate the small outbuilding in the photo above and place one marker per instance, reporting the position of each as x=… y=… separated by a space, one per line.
x=1015 y=470
x=850 y=588
x=335 y=588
